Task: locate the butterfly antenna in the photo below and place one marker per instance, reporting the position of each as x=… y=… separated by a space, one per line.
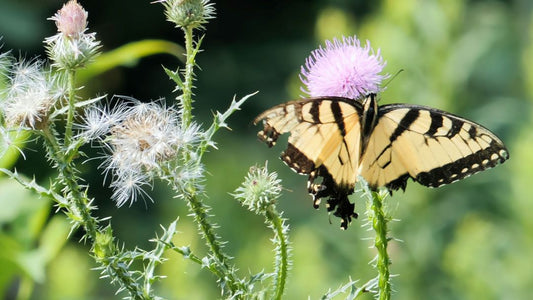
x=394 y=76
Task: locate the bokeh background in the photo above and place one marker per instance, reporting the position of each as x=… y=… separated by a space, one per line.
x=469 y=240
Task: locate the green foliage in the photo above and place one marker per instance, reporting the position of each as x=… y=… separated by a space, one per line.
x=469 y=240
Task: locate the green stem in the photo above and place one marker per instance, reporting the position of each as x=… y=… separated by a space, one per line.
x=26 y=287
x=186 y=97
x=78 y=209
x=71 y=105
x=282 y=253
x=379 y=223
x=194 y=258
x=79 y=205
x=199 y=211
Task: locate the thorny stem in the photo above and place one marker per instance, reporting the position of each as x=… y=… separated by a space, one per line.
x=71 y=105
x=282 y=257
x=80 y=212
x=379 y=223
x=186 y=97
x=79 y=205
x=194 y=258
x=199 y=211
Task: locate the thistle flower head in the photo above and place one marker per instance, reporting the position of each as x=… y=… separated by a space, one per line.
x=145 y=138
x=343 y=68
x=188 y=13
x=30 y=96
x=129 y=186
x=71 y=47
x=97 y=121
x=259 y=190
x=6 y=60
x=143 y=141
x=71 y=19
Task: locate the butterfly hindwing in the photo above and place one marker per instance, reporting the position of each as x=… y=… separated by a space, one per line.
x=430 y=146
x=324 y=142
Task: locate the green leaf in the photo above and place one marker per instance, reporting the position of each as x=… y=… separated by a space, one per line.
x=175 y=76
x=54 y=237
x=128 y=55
x=9 y=153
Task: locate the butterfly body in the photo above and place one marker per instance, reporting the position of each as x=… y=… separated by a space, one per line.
x=339 y=139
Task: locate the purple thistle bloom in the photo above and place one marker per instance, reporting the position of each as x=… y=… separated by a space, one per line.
x=343 y=69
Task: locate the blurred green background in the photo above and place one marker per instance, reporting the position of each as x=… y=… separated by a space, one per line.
x=469 y=240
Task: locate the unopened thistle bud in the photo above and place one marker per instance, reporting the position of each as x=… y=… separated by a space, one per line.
x=259 y=190
x=71 y=20
x=188 y=13
x=71 y=47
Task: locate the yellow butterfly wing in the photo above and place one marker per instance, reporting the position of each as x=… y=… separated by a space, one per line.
x=325 y=141
x=430 y=146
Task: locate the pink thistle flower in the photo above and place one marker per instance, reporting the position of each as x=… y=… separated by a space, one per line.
x=343 y=69
x=71 y=19
x=71 y=47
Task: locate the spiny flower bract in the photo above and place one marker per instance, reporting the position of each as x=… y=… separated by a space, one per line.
x=343 y=68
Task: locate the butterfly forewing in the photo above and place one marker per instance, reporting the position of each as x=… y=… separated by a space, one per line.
x=431 y=146
x=325 y=134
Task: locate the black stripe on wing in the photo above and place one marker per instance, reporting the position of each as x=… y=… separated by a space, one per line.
x=295 y=115
x=481 y=160
x=495 y=153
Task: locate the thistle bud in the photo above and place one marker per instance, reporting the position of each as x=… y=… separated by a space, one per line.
x=71 y=20
x=188 y=13
x=259 y=190
x=71 y=47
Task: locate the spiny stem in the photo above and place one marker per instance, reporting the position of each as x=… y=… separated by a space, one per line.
x=199 y=211
x=379 y=223
x=78 y=206
x=282 y=255
x=186 y=97
x=71 y=74
x=79 y=201
x=194 y=258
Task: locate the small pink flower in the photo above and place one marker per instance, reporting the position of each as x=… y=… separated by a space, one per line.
x=71 y=19
x=71 y=47
x=344 y=69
